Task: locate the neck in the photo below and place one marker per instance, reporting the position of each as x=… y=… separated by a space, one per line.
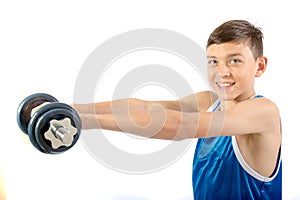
x=226 y=104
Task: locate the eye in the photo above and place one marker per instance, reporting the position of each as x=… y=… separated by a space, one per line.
x=212 y=62
x=235 y=61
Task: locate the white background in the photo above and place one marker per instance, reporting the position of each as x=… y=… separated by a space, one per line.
x=43 y=45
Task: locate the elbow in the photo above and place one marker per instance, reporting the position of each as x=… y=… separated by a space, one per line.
x=169 y=127
x=178 y=127
x=189 y=127
x=175 y=126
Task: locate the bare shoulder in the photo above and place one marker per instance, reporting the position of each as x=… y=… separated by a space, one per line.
x=258 y=107
x=197 y=102
x=260 y=149
x=257 y=116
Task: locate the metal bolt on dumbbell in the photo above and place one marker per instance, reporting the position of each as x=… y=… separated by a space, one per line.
x=52 y=127
x=60 y=133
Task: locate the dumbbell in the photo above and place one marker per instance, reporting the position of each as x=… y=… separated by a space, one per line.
x=52 y=127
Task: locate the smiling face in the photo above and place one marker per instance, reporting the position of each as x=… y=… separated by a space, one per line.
x=232 y=70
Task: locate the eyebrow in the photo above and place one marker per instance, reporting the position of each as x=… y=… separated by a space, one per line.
x=229 y=55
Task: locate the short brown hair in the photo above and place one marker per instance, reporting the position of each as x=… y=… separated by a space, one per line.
x=238 y=31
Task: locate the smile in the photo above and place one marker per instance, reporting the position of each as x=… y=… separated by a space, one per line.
x=225 y=85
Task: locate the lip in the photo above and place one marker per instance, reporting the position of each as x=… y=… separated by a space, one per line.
x=226 y=85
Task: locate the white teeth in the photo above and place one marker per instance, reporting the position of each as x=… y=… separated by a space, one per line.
x=225 y=84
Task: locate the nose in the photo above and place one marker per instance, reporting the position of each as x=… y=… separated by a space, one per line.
x=223 y=70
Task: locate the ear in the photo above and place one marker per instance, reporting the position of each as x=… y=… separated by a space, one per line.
x=261 y=65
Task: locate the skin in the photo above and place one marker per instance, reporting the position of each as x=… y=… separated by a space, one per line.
x=2 y=187
x=232 y=70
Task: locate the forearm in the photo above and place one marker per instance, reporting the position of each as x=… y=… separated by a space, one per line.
x=157 y=123
x=128 y=105
x=109 y=107
x=160 y=124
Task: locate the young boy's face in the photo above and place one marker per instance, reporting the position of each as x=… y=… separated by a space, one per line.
x=232 y=70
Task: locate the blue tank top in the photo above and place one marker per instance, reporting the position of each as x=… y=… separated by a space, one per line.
x=220 y=172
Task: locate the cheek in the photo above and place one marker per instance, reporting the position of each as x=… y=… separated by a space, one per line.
x=210 y=76
x=246 y=78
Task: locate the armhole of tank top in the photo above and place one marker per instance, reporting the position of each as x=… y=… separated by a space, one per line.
x=248 y=169
x=214 y=106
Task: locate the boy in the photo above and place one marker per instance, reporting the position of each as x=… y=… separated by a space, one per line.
x=238 y=150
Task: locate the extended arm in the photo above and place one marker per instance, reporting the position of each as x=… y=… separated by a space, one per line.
x=192 y=103
x=252 y=116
